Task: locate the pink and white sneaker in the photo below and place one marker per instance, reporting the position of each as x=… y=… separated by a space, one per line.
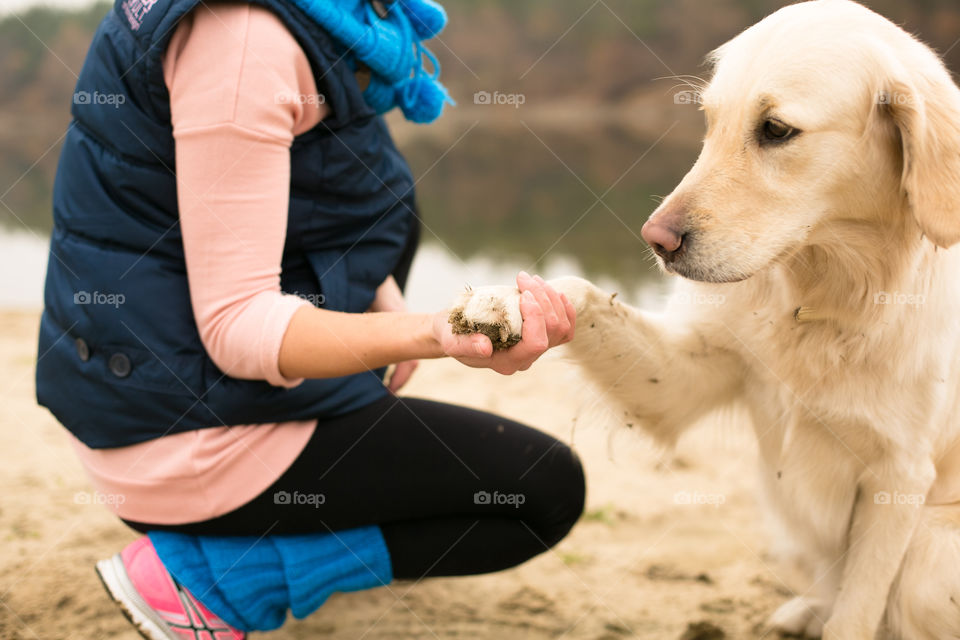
x=154 y=602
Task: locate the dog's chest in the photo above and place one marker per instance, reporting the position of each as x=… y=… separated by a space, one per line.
x=814 y=358
x=812 y=418
x=840 y=381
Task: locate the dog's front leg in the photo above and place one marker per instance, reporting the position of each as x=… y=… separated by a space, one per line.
x=665 y=373
x=891 y=494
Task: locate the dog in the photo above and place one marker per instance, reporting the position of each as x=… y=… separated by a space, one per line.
x=818 y=223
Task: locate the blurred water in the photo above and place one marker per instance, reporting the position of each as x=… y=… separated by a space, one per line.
x=536 y=194
x=23 y=266
x=437 y=276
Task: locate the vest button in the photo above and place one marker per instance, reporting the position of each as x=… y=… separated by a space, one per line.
x=83 y=349
x=119 y=365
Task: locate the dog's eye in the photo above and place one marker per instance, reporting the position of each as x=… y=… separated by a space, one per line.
x=776 y=131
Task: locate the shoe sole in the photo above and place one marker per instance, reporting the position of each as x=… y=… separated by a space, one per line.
x=115 y=580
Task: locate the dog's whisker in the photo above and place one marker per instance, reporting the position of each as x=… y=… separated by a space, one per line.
x=688 y=80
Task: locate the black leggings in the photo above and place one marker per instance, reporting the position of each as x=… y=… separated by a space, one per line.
x=455 y=491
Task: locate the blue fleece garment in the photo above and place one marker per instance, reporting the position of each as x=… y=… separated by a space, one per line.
x=251 y=582
x=391 y=48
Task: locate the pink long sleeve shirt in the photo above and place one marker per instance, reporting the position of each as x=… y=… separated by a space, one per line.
x=241 y=89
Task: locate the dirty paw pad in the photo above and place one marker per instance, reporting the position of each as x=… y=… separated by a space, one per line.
x=492 y=311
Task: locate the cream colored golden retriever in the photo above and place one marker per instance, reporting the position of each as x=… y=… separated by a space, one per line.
x=817 y=227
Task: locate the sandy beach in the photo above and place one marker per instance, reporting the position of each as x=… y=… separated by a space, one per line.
x=670 y=548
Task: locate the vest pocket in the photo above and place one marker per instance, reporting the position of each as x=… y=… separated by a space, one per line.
x=349 y=278
x=330 y=269
x=111 y=394
x=134 y=366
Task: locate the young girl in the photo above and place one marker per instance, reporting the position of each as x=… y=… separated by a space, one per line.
x=233 y=230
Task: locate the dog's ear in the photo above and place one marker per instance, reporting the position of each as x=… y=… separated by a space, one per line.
x=926 y=110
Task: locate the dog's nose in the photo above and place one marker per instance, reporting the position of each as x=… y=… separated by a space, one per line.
x=663 y=230
x=662 y=238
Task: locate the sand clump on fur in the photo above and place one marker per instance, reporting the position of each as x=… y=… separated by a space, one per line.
x=498 y=332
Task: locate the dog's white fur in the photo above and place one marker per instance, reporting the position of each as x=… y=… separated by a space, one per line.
x=839 y=327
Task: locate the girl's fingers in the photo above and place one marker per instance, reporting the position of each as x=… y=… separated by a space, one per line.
x=533 y=338
x=562 y=326
x=468 y=346
x=525 y=281
x=549 y=314
x=402 y=374
x=479 y=346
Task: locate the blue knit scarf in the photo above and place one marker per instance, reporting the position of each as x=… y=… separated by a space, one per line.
x=391 y=48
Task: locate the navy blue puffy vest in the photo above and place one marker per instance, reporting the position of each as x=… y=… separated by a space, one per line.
x=120 y=358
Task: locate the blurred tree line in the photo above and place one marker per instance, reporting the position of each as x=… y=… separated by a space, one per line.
x=603 y=56
x=504 y=187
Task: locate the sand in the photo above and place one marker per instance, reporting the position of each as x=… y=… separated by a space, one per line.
x=667 y=542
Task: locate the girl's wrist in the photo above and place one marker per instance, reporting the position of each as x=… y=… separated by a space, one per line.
x=429 y=338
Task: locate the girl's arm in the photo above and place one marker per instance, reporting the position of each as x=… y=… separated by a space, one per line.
x=233 y=173
x=323 y=344
x=390 y=298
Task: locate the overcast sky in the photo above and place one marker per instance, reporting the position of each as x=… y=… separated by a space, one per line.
x=9 y=6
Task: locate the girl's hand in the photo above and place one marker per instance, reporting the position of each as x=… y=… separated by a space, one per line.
x=390 y=298
x=400 y=374
x=548 y=320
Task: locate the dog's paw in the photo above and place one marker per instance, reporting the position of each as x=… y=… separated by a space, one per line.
x=492 y=311
x=800 y=617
